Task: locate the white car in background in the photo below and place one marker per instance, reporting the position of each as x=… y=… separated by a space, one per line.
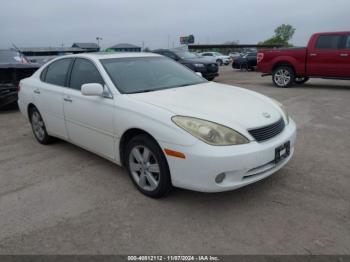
x=219 y=58
x=234 y=55
x=164 y=123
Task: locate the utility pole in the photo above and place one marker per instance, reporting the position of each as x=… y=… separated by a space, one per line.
x=98 y=41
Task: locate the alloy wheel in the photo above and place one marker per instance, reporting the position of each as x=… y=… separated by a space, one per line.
x=38 y=125
x=282 y=77
x=144 y=168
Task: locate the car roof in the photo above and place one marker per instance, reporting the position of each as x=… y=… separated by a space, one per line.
x=108 y=55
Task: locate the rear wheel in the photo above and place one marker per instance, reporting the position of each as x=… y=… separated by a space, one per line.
x=283 y=76
x=244 y=67
x=148 y=167
x=39 y=128
x=301 y=80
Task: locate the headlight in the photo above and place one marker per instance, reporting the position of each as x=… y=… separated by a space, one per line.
x=284 y=110
x=199 y=65
x=209 y=132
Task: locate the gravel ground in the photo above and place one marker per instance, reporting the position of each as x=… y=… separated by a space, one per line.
x=61 y=199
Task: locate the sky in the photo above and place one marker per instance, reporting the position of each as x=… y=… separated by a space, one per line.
x=160 y=23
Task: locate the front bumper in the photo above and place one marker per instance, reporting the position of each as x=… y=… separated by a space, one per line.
x=210 y=70
x=242 y=164
x=227 y=61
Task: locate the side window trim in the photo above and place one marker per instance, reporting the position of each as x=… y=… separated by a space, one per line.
x=107 y=94
x=69 y=73
x=46 y=69
x=344 y=41
x=43 y=74
x=339 y=44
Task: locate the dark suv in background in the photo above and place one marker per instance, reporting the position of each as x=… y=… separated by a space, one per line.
x=245 y=62
x=207 y=68
x=13 y=68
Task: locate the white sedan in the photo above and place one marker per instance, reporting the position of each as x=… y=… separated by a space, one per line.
x=219 y=58
x=167 y=125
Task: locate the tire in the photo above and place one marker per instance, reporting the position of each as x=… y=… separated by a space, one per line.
x=210 y=78
x=143 y=155
x=219 y=62
x=283 y=76
x=244 y=67
x=301 y=80
x=39 y=128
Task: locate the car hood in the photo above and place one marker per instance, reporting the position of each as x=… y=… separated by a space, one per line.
x=227 y=105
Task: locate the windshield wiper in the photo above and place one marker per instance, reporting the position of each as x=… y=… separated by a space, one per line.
x=144 y=91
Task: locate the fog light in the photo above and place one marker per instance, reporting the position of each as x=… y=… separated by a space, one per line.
x=220 y=177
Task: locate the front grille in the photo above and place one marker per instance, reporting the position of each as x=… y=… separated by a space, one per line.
x=267 y=132
x=213 y=68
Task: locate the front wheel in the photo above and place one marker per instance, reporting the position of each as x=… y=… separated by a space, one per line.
x=283 y=76
x=301 y=80
x=219 y=62
x=148 y=167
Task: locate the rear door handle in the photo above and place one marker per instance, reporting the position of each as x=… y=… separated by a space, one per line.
x=344 y=55
x=36 y=91
x=67 y=99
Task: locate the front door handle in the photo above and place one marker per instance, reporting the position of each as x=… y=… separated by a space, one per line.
x=313 y=54
x=344 y=55
x=68 y=99
x=36 y=91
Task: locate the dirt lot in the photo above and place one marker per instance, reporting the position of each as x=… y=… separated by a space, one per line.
x=60 y=199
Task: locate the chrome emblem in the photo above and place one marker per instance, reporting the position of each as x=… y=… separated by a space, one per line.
x=266 y=115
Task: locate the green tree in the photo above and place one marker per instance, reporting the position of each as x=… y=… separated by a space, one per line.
x=283 y=34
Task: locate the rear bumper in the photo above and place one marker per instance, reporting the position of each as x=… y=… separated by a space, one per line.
x=8 y=99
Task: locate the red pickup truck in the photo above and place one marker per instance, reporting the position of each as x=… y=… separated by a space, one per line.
x=327 y=55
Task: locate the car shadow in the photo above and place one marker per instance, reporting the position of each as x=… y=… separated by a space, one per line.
x=176 y=195
x=9 y=109
x=247 y=193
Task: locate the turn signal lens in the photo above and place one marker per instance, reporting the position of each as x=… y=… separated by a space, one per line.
x=260 y=57
x=174 y=153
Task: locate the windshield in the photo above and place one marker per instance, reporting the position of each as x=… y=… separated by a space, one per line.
x=144 y=74
x=218 y=54
x=185 y=54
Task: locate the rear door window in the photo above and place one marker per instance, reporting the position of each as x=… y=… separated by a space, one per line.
x=56 y=73
x=328 y=42
x=347 y=42
x=84 y=72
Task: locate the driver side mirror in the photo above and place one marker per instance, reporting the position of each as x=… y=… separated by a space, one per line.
x=92 y=89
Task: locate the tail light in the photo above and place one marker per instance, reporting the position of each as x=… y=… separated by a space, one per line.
x=260 y=57
x=18 y=87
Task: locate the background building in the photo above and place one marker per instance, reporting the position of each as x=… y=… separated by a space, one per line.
x=89 y=47
x=124 y=47
x=43 y=54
